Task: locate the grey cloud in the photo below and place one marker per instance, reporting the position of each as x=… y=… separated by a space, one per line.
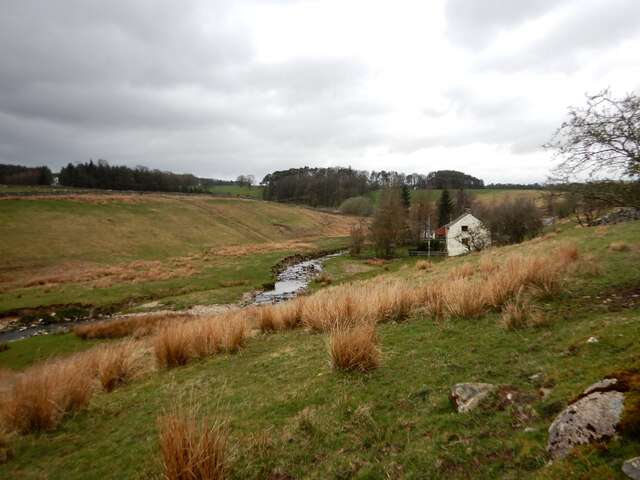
x=585 y=31
x=475 y=23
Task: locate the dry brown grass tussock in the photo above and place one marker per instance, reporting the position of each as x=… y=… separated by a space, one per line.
x=207 y=335
x=377 y=262
x=516 y=311
x=619 y=246
x=233 y=283
x=193 y=447
x=424 y=265
x=136 y=326
x=40 y=396
x=117 y=363
x=354 y=348
x=462 y=271
x=281 y=316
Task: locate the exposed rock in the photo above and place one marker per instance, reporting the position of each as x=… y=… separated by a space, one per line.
x=622 y=215
x=631 y=468
x=591 y=418
x=467 y=396
x=592 y=340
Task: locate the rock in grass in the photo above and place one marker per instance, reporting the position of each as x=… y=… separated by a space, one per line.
x=589 y=419
x=467 y=396
x=631 y=468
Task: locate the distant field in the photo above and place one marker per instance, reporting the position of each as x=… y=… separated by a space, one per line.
x=105 y=249
x=485 y=195
x=236 y=191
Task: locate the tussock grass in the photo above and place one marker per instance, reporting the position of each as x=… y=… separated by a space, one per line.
x=424 y=265
x=40 y=396
x=516 y=312
x=136 y=326
x=377 y=262
x=115 y=364
x=192 y=447
x=462 y=298
x=282 y=316
x=208 y=335
x=233 y=283
x=354 y=348
x=172 y=347
x=619 y=246
x=462 y=271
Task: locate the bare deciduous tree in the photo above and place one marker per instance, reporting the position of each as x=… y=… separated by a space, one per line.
x=604 y=137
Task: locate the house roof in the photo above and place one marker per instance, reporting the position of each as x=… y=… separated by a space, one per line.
x=443 y=230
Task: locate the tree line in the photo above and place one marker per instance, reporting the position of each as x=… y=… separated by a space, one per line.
x=20 y=175
x=104 y=176
x=330 y=187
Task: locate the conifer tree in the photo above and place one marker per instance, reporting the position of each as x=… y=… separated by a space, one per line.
x=445 y=208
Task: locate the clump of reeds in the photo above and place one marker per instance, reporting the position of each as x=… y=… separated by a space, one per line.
x=567 y=252
x=462 y=298
x=40 y=396
x=389 y=302
x=172 y=347
x=619 y=246
x=115 y=364
x=431 y=295
x=462 y=271
x=282 y=316
x=193 y=448
x=214 y=334
x=377 y=262
x=424 y=265
x=355 y=348
x=516 y=311
x=202 y=337
x=233 y=283
x=136 y=326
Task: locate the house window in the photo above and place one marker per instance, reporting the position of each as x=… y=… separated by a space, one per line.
x=465 y=228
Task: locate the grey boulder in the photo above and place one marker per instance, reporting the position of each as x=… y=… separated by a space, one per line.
x=591 y=418
x=631 y=468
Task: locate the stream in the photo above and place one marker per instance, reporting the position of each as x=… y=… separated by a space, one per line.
x=288 y=283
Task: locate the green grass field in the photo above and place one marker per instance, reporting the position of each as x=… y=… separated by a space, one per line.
x=237 y=191
x=102 y=250
x=293 y=416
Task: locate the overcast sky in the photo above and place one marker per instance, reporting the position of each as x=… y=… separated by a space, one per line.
x=220 y=88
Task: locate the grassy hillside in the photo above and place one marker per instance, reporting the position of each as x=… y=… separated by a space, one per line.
x=292 y=415
x=104 y=249
x=237 y=191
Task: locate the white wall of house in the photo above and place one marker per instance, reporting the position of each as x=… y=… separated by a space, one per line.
x=459 y=232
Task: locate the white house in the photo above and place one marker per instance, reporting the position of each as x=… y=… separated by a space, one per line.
x=464 y=234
